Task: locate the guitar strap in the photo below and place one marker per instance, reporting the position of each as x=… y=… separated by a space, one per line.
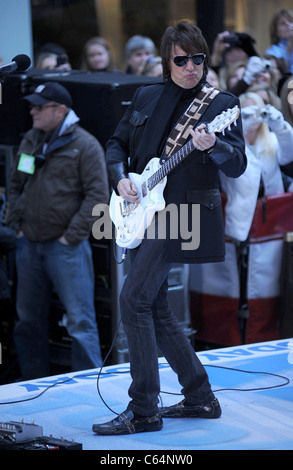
x=188 y=120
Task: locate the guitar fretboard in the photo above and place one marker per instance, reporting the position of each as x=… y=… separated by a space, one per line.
x=170 y=164
x=219 y=124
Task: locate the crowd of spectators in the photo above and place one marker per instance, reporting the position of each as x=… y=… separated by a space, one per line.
x=264 y=84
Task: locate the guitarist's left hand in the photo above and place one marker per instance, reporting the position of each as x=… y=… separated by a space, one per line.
x=128 y=190
x=201 y=139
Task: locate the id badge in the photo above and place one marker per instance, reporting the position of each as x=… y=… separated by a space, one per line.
x=26 y=164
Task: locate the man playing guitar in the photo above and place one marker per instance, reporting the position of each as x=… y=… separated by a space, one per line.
x=151 y=127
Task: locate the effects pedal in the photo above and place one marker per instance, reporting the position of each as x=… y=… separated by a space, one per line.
x=15 y=432
x=23 y=436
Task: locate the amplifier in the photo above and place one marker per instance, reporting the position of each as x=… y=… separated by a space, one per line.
x=178 y=285
x=99 y=99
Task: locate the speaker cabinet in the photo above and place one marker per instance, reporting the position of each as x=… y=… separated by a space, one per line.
x=178 y=282
x=99 y=99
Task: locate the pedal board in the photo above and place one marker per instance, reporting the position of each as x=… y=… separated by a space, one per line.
x=24 y=436
x=15 y=432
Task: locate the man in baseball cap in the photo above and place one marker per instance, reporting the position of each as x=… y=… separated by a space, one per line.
x=49 y=91
x=58 y=176
x=50 y=104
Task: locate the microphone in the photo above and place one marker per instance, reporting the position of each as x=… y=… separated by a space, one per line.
x=19 y=63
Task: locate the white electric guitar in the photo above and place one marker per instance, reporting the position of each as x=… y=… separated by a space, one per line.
x=132 y=219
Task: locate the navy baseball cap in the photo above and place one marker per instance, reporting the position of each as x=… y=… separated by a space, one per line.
x=50 y=91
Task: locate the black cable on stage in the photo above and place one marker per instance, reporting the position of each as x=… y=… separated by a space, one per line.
x=99 y=374
x=76 y=377
x=287 y=381
x=256 y=389
x=270 y=387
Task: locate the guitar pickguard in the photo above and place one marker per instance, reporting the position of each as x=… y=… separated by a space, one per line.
x=131 y=219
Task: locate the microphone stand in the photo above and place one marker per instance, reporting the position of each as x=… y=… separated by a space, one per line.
x=1 y=81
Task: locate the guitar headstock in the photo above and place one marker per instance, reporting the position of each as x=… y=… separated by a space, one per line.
x=224 y=120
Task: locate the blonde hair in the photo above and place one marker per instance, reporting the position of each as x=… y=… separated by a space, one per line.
x=265 y=142
x=43 y=56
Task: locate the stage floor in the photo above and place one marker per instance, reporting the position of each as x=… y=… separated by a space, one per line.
x=256 y=401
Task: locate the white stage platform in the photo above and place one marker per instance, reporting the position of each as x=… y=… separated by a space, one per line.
x=258 y=419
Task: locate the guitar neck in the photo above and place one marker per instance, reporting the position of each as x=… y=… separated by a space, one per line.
x=170 y=164
x=219 y=124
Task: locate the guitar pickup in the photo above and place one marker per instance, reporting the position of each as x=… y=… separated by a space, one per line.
x=127 y=207
x=144 y=189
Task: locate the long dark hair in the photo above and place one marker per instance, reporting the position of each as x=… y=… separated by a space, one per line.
x=187 y=36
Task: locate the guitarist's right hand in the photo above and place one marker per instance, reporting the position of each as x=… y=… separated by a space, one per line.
x=127 y=190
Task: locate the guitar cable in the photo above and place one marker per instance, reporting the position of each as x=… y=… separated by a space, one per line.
x=123 y=256
x=285 y=379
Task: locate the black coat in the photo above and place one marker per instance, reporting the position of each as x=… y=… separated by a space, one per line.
x=141 y=135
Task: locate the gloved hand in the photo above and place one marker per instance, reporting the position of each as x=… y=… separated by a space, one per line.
x=250 y=116
x=254 y=66
x=274 y=118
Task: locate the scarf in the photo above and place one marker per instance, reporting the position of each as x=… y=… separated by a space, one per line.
x=172 y=103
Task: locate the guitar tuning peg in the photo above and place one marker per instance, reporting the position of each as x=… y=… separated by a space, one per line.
x=229 y=128
x=223 y=132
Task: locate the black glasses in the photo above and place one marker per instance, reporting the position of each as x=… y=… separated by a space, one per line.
x=40 y=107
x=181 y=60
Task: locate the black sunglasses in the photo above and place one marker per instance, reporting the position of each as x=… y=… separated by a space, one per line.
x=181 y=60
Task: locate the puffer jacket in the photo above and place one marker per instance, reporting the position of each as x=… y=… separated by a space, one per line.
x=59 y=197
